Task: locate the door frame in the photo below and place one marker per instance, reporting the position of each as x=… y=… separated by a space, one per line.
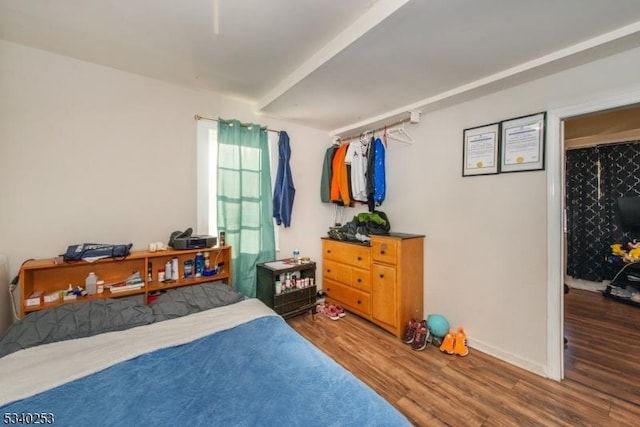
x=555 y=217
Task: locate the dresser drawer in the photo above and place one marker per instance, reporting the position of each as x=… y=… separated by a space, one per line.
x=384 y=250
x=349 y=297
x=347 y=275
x=347 y=253
x=336 y=271
x=361 y=279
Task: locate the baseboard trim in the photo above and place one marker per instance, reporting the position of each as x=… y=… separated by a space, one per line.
x=513 y=359
x=586 y=285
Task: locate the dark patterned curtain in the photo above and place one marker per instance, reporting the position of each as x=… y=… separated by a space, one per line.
x=584 y=245
x=595 y=178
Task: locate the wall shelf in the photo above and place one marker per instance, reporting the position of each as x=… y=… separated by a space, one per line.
x=52 y=275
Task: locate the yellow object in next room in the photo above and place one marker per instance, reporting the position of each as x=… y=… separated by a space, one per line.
x=616 y=249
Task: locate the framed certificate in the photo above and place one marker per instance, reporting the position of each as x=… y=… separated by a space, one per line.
x=522 y=143
x=480 y=150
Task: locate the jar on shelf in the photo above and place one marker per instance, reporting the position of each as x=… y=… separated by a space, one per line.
x=91 y=283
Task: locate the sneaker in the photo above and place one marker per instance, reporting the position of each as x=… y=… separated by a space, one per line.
x=410 y=331
x=447 y=343
x=420 y=337
x=330 y=311
x=339 y=310
x=460 y=347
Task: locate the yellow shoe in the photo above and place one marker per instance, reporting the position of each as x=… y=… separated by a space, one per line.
x=447 y=343
x=460 y=347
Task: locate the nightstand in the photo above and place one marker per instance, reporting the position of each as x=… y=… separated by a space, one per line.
x=289 y=302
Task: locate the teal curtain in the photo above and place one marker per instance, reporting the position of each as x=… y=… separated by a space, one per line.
x=244 y=200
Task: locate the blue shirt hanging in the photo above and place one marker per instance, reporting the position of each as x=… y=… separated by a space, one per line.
x=284 y=191
x=380 y=190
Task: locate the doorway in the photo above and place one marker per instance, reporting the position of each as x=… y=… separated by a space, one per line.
x=555 y=218
x=600 y=162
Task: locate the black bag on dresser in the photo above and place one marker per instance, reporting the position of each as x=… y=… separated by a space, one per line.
x=361 y=226
x=96 y=250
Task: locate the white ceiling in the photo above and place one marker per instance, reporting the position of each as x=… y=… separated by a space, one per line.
x=331 y=64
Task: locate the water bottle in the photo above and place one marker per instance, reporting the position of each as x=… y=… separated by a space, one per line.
x=90 y=283
x=296 y=256
x=175 y=272
x=167 y=271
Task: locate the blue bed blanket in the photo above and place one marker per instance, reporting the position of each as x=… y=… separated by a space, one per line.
x=259 y=373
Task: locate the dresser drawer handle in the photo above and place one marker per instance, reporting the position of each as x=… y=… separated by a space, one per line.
x=328 y=270
x=382 y=276
x=328 y=251
x=359 y=280
x=359 y=258
x=328 y=290
x=359 y=302
x=381 y=252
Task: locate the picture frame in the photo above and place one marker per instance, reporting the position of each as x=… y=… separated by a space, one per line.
x=480 y=150
x=522 y=146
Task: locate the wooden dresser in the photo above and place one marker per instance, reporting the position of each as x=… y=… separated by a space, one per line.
x=382 y=282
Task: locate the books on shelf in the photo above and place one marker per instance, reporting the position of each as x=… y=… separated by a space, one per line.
x=126 y=286
x=132 y=283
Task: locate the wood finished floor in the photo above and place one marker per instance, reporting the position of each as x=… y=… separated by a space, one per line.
x=434 y=389
x=604 y=344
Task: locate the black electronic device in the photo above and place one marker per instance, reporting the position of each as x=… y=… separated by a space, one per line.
x=194 y=242
x=627 y=209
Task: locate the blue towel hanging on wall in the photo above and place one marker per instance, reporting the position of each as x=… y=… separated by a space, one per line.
x=284 y=191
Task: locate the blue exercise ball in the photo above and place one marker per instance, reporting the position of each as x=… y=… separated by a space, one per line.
x=438 y=325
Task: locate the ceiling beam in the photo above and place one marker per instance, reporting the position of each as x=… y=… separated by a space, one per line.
x=575 y=49
x=372 y=17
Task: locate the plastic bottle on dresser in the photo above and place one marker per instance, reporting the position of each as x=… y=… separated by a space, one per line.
x=90 y=283
x=175 y=272
x=167 y=271
x=199 y=264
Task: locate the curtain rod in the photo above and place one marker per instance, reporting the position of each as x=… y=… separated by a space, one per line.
x=197 y=117
x=348 y=138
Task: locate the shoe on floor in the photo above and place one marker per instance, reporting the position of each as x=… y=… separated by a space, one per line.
x=447 y=343
x=410 y=331
x=460 y=347
x=338 y=310
x=420 y=338
x=328 y=310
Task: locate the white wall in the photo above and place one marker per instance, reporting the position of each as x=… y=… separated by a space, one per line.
x=93 y=154
x=486 y=245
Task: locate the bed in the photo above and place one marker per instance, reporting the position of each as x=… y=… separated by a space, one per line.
x=188 y=363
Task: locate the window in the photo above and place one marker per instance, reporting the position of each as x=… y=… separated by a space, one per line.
x=207 y=160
